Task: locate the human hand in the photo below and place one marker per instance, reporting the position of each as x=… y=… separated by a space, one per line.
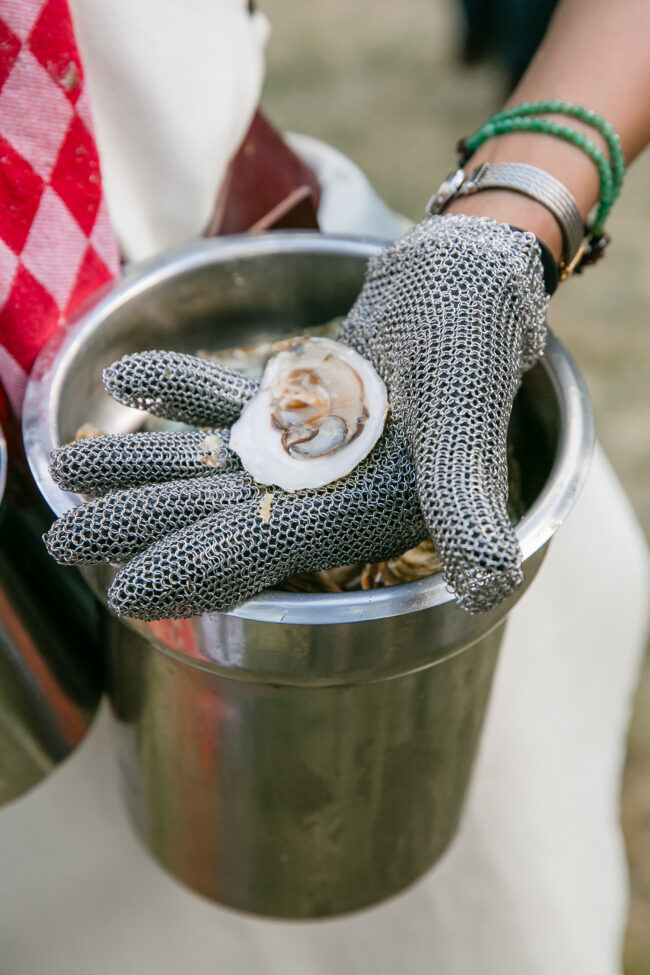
x=193 y=531
x=451 y=315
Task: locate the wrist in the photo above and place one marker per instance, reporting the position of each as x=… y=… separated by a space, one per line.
x=506 y=206
x=511 y=151
x=561 y=159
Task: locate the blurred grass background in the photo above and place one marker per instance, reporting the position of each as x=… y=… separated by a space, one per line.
x=383 y=82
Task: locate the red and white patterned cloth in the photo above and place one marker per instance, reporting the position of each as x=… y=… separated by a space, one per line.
x=56 y=242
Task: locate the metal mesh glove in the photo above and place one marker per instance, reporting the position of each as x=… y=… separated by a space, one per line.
x=195 y=532
x=450 y=315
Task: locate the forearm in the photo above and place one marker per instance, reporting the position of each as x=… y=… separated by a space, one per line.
x=595 y=53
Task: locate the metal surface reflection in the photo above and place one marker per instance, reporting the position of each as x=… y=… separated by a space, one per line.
x=50 y=666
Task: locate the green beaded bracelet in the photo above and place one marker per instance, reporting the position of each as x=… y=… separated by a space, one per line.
x=586 y=115
x=525 y=118
x=608 y=191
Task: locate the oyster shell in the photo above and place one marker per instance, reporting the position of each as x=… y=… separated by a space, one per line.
x=320 y=410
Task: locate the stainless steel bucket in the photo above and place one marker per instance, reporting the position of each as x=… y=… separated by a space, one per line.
x=50 y=631
x=304 y=755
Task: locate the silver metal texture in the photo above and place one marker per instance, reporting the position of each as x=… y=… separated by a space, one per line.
x=450 y=315
x=446 y=192
x=302 y=755
x=522 y=178
x=50 y=631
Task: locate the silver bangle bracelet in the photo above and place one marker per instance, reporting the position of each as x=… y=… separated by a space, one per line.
x=520 y=178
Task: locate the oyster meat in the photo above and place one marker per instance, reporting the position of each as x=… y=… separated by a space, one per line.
x=320 y=410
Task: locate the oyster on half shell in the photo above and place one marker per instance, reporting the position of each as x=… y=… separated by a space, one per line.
x=320 y=410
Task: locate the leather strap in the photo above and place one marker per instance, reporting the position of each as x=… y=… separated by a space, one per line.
x=267 y=186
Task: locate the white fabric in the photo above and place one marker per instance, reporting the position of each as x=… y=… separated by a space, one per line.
x=173 y=87
x=349 y=204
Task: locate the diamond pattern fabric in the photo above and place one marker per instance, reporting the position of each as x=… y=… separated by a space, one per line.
x=56 y=243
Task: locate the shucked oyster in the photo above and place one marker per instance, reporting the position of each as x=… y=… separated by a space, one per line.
x=320 y=410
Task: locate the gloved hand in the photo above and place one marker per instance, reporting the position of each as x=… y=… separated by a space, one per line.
x=196 y=532
x=450 y=315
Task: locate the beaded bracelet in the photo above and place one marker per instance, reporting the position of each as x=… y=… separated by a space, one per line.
x=503 y=126
x=517 y=119
x=586 y=115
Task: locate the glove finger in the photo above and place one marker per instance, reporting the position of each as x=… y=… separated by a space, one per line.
x=180 y=387
x=217 y=563
x=479 y=551
x=100 y=464
x=118 y=526
x=184 y=574
x=463 y=490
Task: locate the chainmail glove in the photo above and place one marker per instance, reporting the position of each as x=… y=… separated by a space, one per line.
x=193 y=531
x=451 y=315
